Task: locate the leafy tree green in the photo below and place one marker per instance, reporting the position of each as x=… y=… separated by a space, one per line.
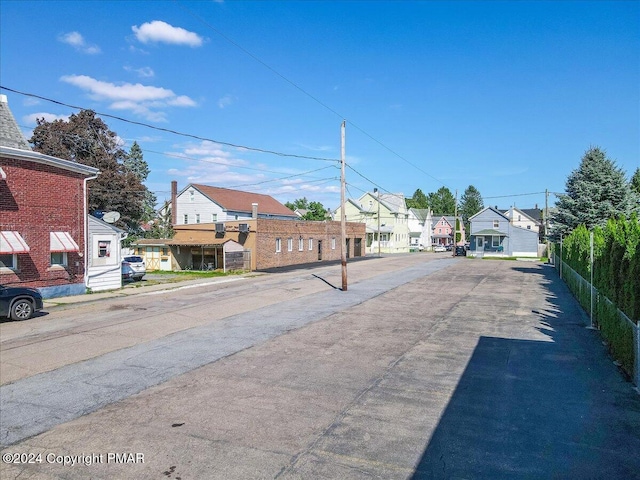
x=595 y=192
x=470 y=204
x=418 y=200
x=442 y=202
x=86 y=139
x=161 y=225
x=314 y=210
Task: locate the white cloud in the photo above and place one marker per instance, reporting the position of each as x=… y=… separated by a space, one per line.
x=144 y=100
x=77 y=41
x=49 y=117
x=226 y=101
x=143 y=72
x=161 y=32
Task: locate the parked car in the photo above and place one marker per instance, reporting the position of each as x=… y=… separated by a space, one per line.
x=460 y=251
x=449 y=247
x=19 y=303
x=127 y=272
x=439 y=248
x=420 y=247
x=137 y=265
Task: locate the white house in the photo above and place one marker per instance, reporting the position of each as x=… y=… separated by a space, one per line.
x=104 y=255
x=420 y=230
x=520 y=219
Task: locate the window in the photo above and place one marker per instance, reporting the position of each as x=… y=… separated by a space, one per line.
x=165 y=251
x=59 y=258
x=495 y=241
x=519 y=217
x=192 y=196
x=9 y=260
x=104 y=249
x=197 y=218
x=214 y=217
x=496 y=224
x=300 y=244
x=278 y=245
x=311 y=244
x=290 y=245
x=528 y=227
x=333 y=243
x=186 y=219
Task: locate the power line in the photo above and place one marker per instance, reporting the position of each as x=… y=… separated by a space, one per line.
x=175 y=132
x=514 y=195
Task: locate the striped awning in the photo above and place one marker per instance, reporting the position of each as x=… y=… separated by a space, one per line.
x=12 y=242
x=62 y=242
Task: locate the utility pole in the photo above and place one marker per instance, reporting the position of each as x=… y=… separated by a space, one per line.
x=455 y=226
x=546 y=223
x=343 y=214
x=375 y=190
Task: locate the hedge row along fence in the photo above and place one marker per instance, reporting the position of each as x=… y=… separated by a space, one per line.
x=616 y=276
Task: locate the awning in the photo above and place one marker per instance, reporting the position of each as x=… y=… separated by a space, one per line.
x=62 y=242
x=12 y=242
x=489 y=232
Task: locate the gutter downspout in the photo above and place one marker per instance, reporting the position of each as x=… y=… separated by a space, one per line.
x=86 y=230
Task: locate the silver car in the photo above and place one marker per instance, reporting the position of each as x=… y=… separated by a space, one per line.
x=137 y=266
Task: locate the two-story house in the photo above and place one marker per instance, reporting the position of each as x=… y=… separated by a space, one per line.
x=43 y=215
x=420 y=228
x=493 y=233
x=442 y=230
x=386 y=218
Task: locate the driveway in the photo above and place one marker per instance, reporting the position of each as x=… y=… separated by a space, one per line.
x=444 y=368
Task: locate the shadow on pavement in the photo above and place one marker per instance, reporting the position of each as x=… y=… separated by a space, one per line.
x=539 y=409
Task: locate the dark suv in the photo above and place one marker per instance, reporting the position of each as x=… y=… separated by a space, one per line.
x=19 y=303
x=460 y=251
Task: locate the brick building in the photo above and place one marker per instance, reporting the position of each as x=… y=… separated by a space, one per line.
x=42 y=215
x=266 y=243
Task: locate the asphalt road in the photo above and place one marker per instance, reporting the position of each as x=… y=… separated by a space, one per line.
x=426 y=367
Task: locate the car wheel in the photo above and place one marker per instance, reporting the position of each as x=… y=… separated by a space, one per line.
x=21 y=310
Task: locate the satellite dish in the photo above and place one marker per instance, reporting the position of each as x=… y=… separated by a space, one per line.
x=111 y=217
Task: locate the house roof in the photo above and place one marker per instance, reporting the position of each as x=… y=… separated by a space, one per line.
x=394 y=201
x=535 y=213
x=10 y=134
x=239 y=201
x=494 y=210
x=490 y=231
x=14 y=145
x=420 y=213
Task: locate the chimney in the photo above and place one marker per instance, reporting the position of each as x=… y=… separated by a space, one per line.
x=174 y=206
x=254 y=210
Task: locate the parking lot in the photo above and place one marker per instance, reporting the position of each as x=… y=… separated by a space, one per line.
x=428 y=366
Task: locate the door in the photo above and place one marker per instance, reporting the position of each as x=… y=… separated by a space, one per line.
x=480 y=244
x=319 y=249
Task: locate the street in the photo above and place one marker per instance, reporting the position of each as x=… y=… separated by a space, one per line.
x=428 y=366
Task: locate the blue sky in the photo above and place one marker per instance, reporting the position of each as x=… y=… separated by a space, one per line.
x=505 y=96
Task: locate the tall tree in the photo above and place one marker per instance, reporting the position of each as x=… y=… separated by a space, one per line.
x=442 y=202
x=418 y=200
x=470 y=204
x=315 y=211
x=161 y=226
x=635 y=182
x=595 y=192
x=298 y=204
x=135 y=163
x=86 y=139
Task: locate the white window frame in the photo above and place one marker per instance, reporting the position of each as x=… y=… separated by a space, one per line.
x=333 y=243
x=300 y=244
x=214 y=217
x=14 y=261
x=192 y=196
x=493 y=241
x=65 y=259
x=278 y=245
x=496 y=224
x=310 y=244
x=185 y=217
x=290 y=244
x=197 y=218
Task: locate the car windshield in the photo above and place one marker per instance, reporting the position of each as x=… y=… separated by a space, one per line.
x=133 y=259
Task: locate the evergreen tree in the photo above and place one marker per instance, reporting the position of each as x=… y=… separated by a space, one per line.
x=161 y=225
x=470 y=204
x=86 y=139
x=135 y=163
x=595 y=192
x=635 y=182
x=442 y=202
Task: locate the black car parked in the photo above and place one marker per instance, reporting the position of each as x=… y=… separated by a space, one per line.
x=19 y=303
x=460 y=251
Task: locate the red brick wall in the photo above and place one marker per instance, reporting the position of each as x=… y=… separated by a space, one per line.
x=269 y=230
x=37 y=199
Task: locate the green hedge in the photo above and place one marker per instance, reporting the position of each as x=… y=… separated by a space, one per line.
x=616 y=275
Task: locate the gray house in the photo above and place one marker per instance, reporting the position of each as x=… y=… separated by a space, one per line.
x=493 y=234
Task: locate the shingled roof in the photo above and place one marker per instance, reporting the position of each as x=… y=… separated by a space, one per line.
x=239 y=201
x=10 y=134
